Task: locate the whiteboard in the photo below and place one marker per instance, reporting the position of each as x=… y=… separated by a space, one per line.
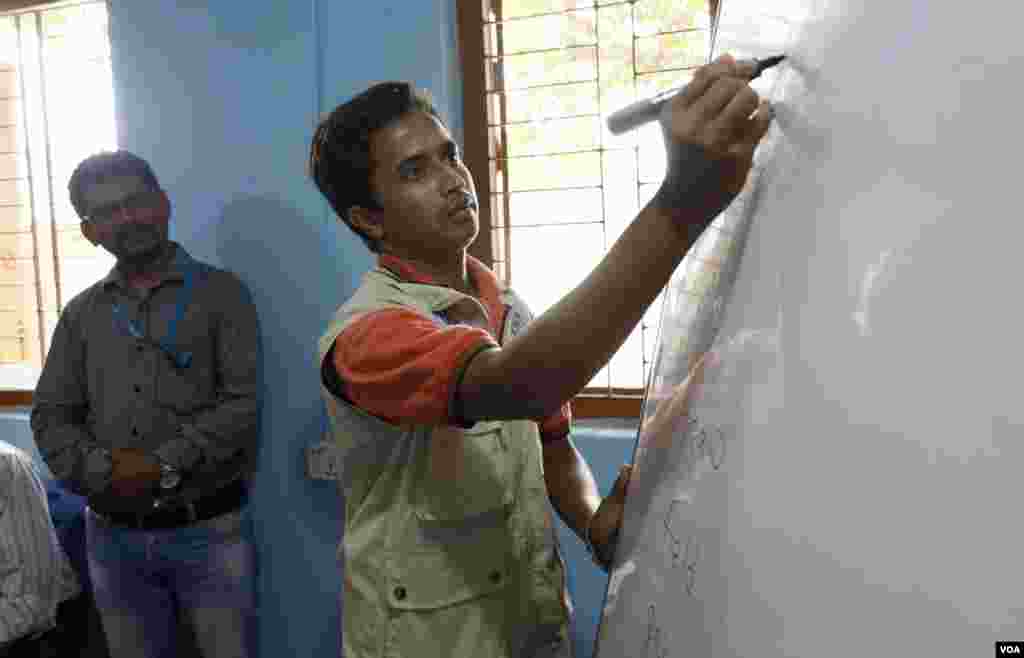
x=842 y=476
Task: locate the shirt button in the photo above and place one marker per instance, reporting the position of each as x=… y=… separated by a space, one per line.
x=400 y=593
x=138 y=348
x=495 y=577
x=138 y=389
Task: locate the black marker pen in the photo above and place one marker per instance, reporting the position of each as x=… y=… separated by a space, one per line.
x=647 y=110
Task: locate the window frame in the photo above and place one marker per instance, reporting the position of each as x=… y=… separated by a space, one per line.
x=591 y=403
x=15 y=6
x=600 y=402
x=13 y=396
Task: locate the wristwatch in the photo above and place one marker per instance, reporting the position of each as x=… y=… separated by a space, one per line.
x=170 y=477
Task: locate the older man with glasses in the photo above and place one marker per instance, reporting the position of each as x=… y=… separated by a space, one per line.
x=148 y=406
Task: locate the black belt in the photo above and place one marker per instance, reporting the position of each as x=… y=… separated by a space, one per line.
x=224 y=500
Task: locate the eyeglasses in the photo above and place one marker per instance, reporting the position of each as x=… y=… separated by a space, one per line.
x=106 y=213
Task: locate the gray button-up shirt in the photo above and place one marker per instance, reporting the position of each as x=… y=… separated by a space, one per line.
x=108 y=384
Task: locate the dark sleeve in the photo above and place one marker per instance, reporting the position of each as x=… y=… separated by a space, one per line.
x=60 y=408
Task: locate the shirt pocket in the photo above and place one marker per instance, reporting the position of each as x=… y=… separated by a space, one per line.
x=467 y=473
x=184 y=390
x=187 y=386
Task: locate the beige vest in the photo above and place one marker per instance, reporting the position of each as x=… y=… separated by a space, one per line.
x=449 y=545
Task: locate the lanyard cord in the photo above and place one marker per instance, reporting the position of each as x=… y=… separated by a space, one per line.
x=180 y=359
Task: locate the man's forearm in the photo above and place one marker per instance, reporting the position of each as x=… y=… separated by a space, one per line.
x=215 y=435
x=571 y=485
x=69 y=450
x=711 y=130
x=564 y=348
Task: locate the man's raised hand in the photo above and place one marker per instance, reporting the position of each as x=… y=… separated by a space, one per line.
x=711 y=129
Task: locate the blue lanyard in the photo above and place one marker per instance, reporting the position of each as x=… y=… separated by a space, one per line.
x=180 y=359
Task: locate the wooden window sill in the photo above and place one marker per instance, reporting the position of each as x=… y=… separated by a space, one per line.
x=15 y=398
x=598 y=405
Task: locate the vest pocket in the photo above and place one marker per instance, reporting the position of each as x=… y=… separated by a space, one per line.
x=450 y=568
x=450 y=564
x=455 y=601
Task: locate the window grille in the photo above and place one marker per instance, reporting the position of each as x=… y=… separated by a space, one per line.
x=56 y=108
x=561 y=188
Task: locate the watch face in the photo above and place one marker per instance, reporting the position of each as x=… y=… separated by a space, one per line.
x=169 y=480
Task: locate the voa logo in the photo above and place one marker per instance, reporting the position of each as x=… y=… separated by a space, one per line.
x=1011 y=650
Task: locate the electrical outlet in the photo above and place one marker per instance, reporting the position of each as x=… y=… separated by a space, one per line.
x=322 y=462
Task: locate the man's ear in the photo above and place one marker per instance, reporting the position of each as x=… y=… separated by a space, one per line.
x=369 y=221
x=165 y=202
x=89 y=231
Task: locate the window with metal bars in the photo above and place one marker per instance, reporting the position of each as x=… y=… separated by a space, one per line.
x=557 y=188
x=56 y=108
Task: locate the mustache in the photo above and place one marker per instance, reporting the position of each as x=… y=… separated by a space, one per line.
x=128 y=234
x=462 y=200
x=135 y=229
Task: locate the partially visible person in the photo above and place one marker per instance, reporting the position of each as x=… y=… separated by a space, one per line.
x=35 y=574
x=81 y=631
x=148 y=406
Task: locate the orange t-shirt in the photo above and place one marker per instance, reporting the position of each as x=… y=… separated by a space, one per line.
x=400 y=365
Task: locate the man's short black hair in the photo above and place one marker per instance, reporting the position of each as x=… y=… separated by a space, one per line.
x=100 y=166
x=339 y=158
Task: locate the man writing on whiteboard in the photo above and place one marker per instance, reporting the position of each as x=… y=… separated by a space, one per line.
x=448 y=402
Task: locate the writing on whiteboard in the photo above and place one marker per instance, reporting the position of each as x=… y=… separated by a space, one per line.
x=705 y=442
x=654 y=646
x=685 y=552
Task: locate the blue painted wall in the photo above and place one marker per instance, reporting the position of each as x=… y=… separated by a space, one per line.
x=222 y=97
x=606 y=444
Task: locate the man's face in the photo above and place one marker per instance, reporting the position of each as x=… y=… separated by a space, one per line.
x=126 y=217
x=428 y=202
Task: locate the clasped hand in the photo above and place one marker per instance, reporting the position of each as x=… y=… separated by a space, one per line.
x=134 y=479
